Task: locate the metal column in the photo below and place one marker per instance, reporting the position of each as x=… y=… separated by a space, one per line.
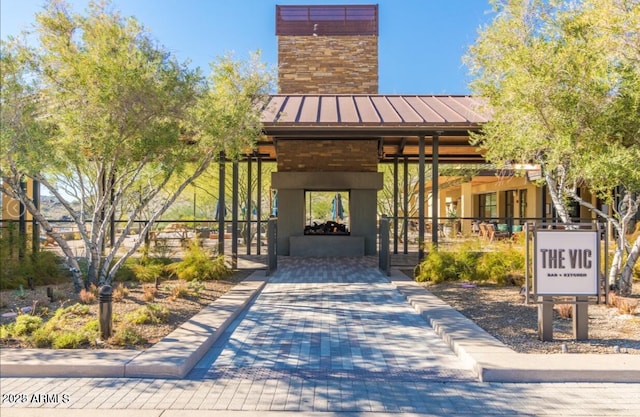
x=435 y=197
x=405 y=203
x=234 y=216
x=221 y=203
x=248 y=210
x=259 y=205
x=35 y=226
x=421 y=185
x=395 y=204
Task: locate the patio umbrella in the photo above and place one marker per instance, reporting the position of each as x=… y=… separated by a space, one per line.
x=274 y=208
x=337 y=210
x=220 y=214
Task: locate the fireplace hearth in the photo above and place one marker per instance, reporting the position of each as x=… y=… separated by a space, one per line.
x=328 y=228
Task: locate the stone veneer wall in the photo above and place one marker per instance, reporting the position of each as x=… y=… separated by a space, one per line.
x=317 y=155
x=328 y=64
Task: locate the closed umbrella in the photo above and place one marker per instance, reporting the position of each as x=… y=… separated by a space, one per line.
x=220 y=214
x=274 y=207
x=337 y=210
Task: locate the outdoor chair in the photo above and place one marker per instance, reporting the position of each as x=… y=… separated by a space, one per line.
x=475 y=227
x=492 y=233
x=483 y=231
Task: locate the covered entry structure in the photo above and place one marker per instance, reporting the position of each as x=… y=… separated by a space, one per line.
x=336 y=141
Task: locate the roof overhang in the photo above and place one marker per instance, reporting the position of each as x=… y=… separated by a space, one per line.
x=397 y=122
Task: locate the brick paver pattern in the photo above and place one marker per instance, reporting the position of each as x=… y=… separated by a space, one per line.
x=316 y=320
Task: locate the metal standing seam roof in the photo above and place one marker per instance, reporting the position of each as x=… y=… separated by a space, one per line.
x=395 y=121
x=307 y=110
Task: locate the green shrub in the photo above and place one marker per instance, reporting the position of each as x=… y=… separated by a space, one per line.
x=41 y=338
x=43 y=266
x=55 y=335
x=47 y=268
x=148 y=272
x=504 y=266
x=74 y=310
x=198 y=265
x=6 y=331
x=438 y=266
x=26 y=324
x=149 y=314
x=71 y=339
x=92 y=326
x=64 y=316
x=125 y=272
x=15 y=270
x=144 y=269
x=59 y=332
x=466 y=262
x=127 y=336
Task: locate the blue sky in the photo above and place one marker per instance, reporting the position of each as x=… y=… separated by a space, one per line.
x=421 y=42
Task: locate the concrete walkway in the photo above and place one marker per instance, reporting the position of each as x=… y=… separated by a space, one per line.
x=323 y=337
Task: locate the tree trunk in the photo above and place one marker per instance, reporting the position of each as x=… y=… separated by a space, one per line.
x=72 y=262
x=93 y=267
x=558 y=203
x=626 y=278
x=614 y=269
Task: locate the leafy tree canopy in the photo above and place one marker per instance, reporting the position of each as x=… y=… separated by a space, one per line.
x=563 y=81
x=99 y=110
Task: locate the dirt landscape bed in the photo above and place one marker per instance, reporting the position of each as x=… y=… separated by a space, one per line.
x=181 y=299
x=502 y=312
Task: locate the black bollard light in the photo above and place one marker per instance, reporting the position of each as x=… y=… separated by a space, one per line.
x=50 y=294
x=106 y=296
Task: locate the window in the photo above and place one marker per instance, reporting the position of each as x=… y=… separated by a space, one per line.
x=322 y=206
x=509 y=204
x=523 y=205
x=488 y=206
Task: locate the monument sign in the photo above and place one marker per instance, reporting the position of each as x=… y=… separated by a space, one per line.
x=566 y=263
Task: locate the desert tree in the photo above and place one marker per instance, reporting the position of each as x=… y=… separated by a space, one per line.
x=122 y=119
x=562 y=81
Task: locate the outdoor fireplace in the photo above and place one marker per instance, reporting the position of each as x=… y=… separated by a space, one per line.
x=296 y=220
x=327 y=228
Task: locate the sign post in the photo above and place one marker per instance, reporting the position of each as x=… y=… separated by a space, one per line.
x=566 y=263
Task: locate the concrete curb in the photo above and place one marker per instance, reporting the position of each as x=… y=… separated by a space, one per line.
x=64 y=363
x=172 y=357
x=492 y=361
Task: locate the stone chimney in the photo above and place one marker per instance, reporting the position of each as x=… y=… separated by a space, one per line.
x=327 y=49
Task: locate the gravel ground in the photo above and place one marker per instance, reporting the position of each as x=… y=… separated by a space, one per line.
x=502 y=312
x=180 y=308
